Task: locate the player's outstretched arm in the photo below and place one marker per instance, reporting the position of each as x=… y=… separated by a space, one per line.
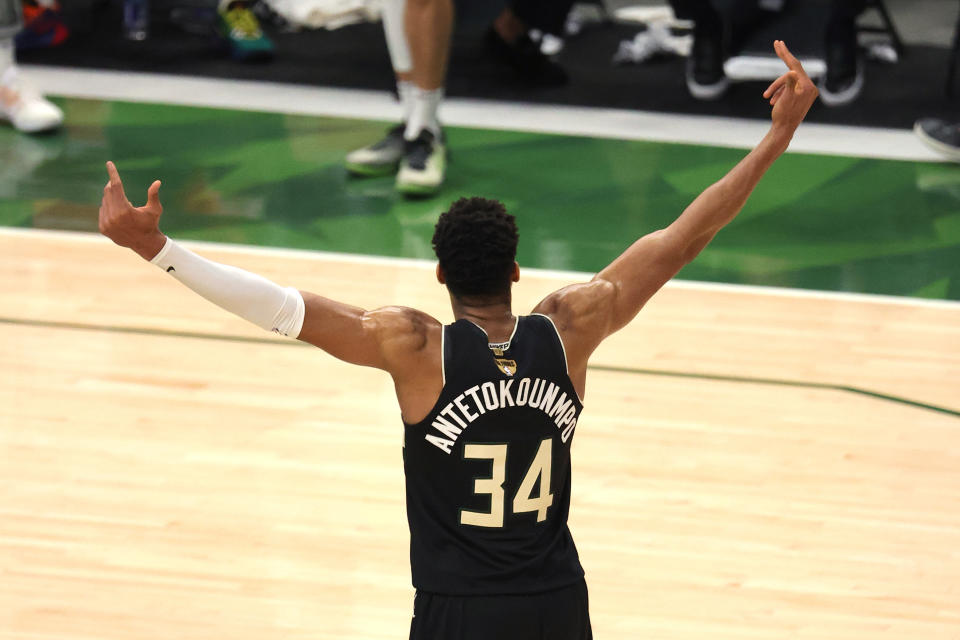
x=592 y=311
x=377 y=338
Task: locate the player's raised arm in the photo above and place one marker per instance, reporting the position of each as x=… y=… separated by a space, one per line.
x=370 y=338
x=619 y=291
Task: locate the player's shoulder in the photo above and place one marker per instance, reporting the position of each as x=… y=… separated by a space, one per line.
x=577 y=303
x=402 y=327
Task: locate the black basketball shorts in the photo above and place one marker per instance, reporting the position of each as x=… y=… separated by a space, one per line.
x=561 y=614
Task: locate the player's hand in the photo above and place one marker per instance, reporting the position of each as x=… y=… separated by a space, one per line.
x=792 y=94
x=133 y=227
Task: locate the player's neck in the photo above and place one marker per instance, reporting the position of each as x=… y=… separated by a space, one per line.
x=493 y=315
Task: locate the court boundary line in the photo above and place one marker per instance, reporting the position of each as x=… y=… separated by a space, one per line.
x=797 y=384
x=553 y=274
x=598 y=122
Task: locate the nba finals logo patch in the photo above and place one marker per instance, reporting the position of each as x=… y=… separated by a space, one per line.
x=498 y=348
x=509 y=367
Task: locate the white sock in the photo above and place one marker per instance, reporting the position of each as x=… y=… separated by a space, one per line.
x=424 y=113
x=406 y=90
x=6 y=55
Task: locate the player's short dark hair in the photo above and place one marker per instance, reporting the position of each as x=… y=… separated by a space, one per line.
x=476 y=243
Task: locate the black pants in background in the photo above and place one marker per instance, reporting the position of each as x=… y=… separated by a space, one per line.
x=548 y=16
x=738 y=18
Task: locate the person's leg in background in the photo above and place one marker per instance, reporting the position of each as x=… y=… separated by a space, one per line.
x=428 y=25
x=844 y=79
x=416 y=146
x=705 y=77
x=508 y=39
x=20 y=103
x=383 y=157
x=721 y=27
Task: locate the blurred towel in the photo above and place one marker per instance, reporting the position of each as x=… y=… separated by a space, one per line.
x=327 y=14
x=657 y=40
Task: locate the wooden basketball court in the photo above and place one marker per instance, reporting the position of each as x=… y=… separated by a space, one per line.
x=749 y=464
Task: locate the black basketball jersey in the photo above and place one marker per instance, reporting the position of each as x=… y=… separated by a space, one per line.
x=488 y=470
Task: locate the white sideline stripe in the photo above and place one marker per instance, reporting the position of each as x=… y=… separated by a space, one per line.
x=553 y=274
x=621 y=124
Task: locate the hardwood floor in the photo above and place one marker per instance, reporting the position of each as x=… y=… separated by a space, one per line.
x=168 y=471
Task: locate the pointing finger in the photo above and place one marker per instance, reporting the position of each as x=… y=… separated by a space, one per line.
x=788 y=58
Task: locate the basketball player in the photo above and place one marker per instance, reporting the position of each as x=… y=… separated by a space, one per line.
x=489 y=403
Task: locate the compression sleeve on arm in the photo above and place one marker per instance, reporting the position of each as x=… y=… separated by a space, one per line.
x=252 y=297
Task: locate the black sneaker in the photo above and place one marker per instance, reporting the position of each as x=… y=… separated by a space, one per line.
x=526 y=59
x=424 y=165
x=380 y=158
x=940 y=135
x=705 y=77
x=844 y=79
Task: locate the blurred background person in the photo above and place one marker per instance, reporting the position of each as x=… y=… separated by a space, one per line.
x=43 y=25
x=508 y=39
x=233 y=20
x=418 y=39
x=20 y=103
x=722 y=26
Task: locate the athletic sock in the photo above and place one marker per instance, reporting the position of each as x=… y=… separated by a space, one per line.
x=6 y=55
x=406 y=91
x=424 y=113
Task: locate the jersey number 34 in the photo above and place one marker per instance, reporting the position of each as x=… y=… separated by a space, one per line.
x=524 y=500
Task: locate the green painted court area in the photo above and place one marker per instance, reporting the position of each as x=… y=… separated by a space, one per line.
x=816 y=222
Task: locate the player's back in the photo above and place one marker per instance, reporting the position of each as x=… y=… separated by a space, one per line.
x=488 y=470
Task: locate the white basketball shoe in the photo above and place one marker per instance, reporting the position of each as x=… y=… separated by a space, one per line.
x=24 y=106
x=423 y=166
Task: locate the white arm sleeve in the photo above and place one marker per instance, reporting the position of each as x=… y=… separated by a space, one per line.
x=245 y=294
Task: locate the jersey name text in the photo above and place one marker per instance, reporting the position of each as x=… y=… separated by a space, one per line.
x=535 y=393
